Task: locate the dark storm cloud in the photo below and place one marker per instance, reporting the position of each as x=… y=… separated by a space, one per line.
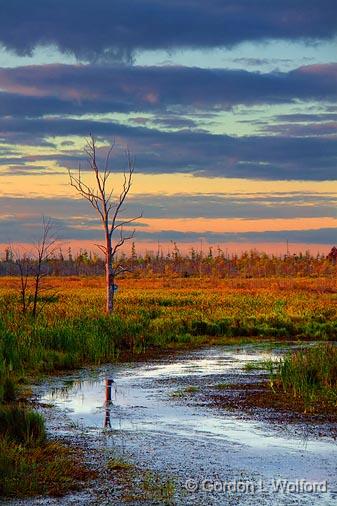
x=115 y=29
x=81 y=89
x=201 y=153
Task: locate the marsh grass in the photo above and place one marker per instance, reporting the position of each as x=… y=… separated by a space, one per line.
x=21 y=425
x=221 y=386
x=8 y=389
x=140 y=485
x=190 y=389
x=263 y=365
x=177 y=394
x=157 y=488
x=29 y=464
x=119 y=464
x=311 y=375
x=151 y=314
x=72 y=331
x=47 y=469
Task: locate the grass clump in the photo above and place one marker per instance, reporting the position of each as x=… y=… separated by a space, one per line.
x=118 y=464
x=29 y=464
x=178 y=393
x=8 y=389
x=157 y=488
x=49 y=469
x=311 y=376
x=140 y=485
x=221 y=386
x=264 y=365
x=22 y=426
x=190 y=389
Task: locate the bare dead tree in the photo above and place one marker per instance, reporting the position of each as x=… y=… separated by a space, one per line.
x=44 y=250
x=109 y=208
x=24 y=270
x=32 y=270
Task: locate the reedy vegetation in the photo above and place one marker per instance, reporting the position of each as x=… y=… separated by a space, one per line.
x=31 y=465
x=311 y=375
x=71 y=331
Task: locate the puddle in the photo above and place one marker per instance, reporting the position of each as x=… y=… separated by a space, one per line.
x=188 y=441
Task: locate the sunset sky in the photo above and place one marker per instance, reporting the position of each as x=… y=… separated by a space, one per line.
x=228 y=106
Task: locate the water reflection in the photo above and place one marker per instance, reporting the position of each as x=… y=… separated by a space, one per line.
x=139 y=398
x=147 y=420
x=108 y=402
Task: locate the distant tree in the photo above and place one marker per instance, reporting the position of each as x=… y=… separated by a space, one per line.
x=332 y=256
x=109 y=208
x=9 y=255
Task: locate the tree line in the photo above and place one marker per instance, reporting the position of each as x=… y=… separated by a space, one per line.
x=216 y=262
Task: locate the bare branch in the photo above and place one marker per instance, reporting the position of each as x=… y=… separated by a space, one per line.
x=127 y=222
x=102 y=248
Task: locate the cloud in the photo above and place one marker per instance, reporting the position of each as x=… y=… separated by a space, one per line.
x=255 y=206
x=25 y=170
x=253 y=62
x=306 y=117
x=320 y=236
x=302 y=130
x=81 y=89
x=36 y=102
x=194 y=152
x=73 y=219
x=28 y=230
x=20 y=105
x=117 y=29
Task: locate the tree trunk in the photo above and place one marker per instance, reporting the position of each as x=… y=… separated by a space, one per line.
x=109 y=278
x=36 y=294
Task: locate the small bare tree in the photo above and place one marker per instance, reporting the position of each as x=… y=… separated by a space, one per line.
x=24 y=271
x=32 y=270
x=109 y=208
x=45 y=248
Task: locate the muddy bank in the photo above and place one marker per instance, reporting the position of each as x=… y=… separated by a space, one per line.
x=259 y=401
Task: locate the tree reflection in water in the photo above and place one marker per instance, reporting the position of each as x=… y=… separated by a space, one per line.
x=108 y=402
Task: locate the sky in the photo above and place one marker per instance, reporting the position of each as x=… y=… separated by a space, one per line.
x=227 y=106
